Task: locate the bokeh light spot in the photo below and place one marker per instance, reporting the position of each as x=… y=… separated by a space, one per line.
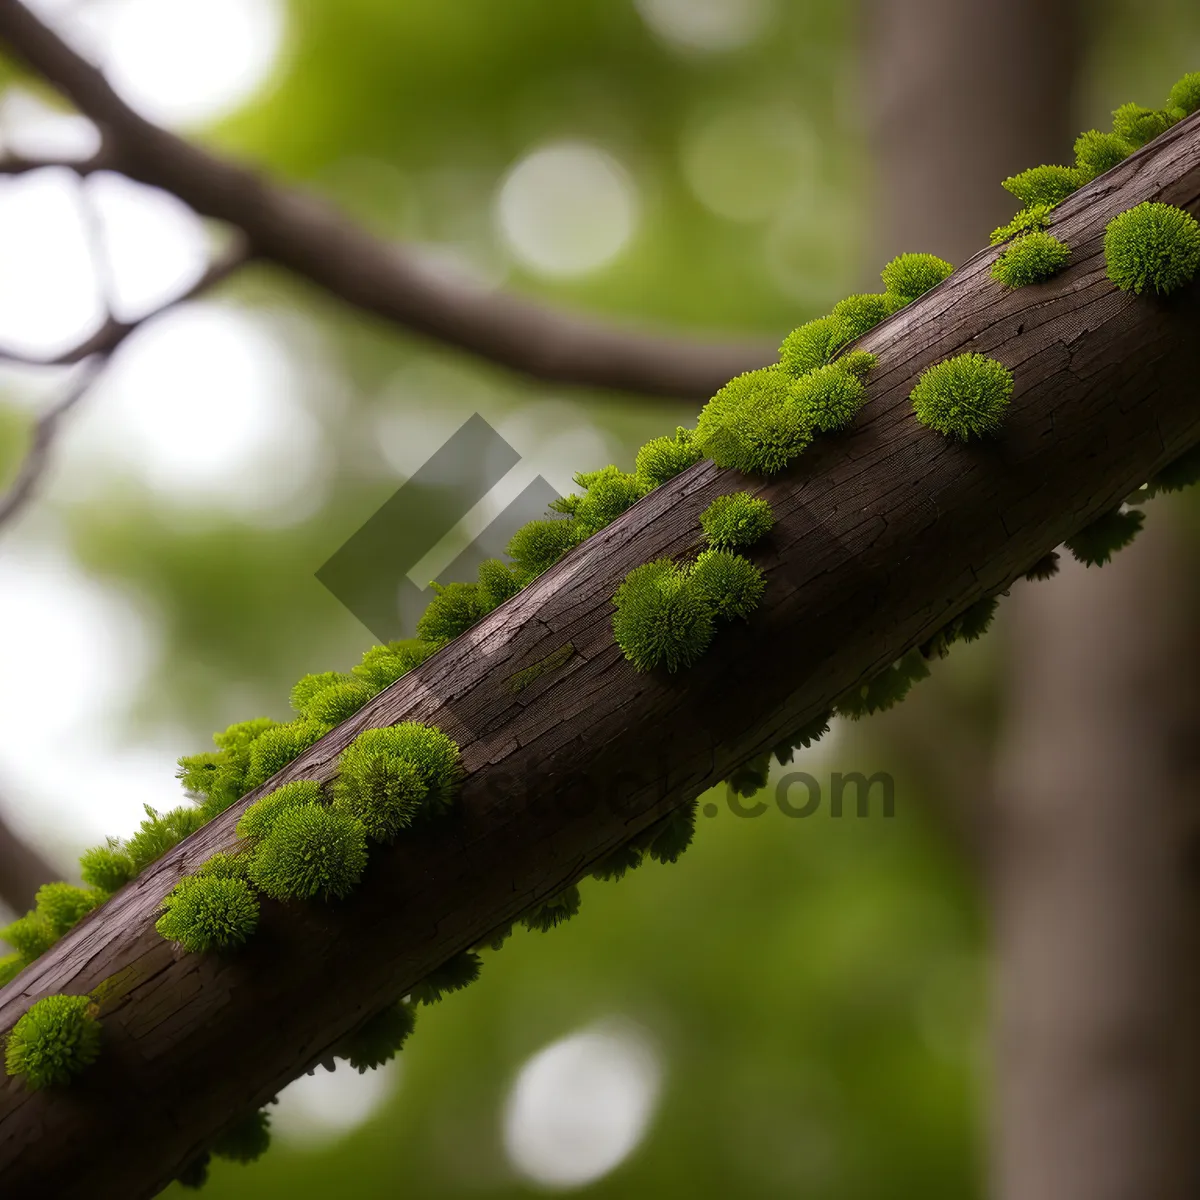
x=707 y=26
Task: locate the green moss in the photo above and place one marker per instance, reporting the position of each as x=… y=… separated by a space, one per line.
x=669 y=837
x=737 y=520
x=1028 y=220
x=209 y=912
x=497 y=582
x=662 y=618
x=455 y=607
x=107 y=867
x=811 y=345
x=808 y=733
x=452 y=976
x=242 y=734
x=1097 y=152
x=379 y=1039
x=280 y=746
x=1139 y=125
x=1032 y=258
x=1095 y=544
x=224 y=865
x=908 y=276
x=310 y=686
x=520 y=680
x=857 y=314
x=828 y=399
x=966 y=396
x=753 y=424
x=617 y=864
x=31 y=935
x=1046 y=567
x=610 y=492
x=63 y=905
x=195 y=1175
x=1185 y=94
x=887 y=688
x=11 y=965
x=858 y=363
x=663 y=458
x=1177 y=475
x=381 y=666
x=246 y=1139
x=552 y=912
x=537 y=546
x=1154 y=247
x=750 y=777
x=732 y=585
x=311 y=852
x=258 y=820
x=338 y=703
x=384 y=792
x=1046 y=185
x=365 y=771
x=54 y=1041
x=161 y=832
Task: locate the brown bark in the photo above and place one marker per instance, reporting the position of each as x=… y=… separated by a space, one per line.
x=1094 y=883
x=298 y=232
x=881 y=536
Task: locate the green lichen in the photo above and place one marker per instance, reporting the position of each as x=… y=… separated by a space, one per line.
x=259 y=819
x=1032 y=258
x=209 y=912
x=738 y=520
x=964 y=397
x=828 y=399
x=311 y=852
x=1045 y=185
x=663 y=458
x=662 y=617
x=379 y=1039
x=54 y=1041
x=521 y=679
x=908 y=276
x=1095 y=544
x=1152 y=247
x=732 y=585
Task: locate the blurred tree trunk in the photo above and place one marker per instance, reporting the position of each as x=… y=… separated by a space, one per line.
x=1091 y=820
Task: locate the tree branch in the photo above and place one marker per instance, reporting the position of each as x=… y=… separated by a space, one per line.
x=882 y=535
x=297 y=231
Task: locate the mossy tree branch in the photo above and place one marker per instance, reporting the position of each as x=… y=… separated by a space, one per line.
x=882 y=535
x=295 y=230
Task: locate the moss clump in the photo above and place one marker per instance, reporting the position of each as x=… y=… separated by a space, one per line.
x=857 y=314
x=1177 y=475
x=753 y=424
x=364 y=769
x=209 y=912
x=379 y=1039
x=383 y=791
x=161 y=832
x=908 y=276
x=246 y=1139
x=731 y=522
x=454 y=608
x=259 y=819
x=828 y=399
x=30 y=935
x=63 y=905
x=1045 y=185
x=226 y=866
x=537 y=546
x=1095 y=544
x=452 y=976
x=812 y=731
x=338 y=703
x=381 y=666
x=609 y=493
x=1097 y=152
x=106 y=867
x=732 y=585
x=497 y=582
x=1046 y=567
x=271 y=752
x=56 y=1039
x=309 y=686
x=311 y=852
x=1033 y=258
x=887 y=688
x=1185 y=94
x=1153 y=247
x=662 y=617
x=669 y=837
x=622 y=860
x=1139 y=125
x=11 y=965
x=1028 y=220
x=553 y=912
x=811 y=345
x=966 y=396
x=663 y=458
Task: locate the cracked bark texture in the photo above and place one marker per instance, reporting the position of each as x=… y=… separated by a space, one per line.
x=882 y=535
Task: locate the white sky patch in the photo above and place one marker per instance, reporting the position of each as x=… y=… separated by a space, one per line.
x=582 y=1105
x=30 y=127
x=706 y=26
x=72 y=651
x=202 y=405
x=317 y=1109
x=566 y=209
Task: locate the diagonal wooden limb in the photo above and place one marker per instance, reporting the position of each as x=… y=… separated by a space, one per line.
x=297 y=231
x=882 y=535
